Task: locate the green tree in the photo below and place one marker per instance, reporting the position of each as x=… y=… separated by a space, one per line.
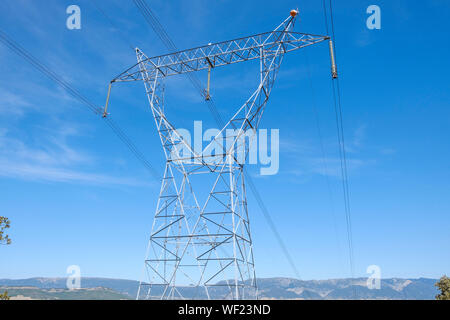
x=5 y=240
x=4 y=224
x=444 y=286
x=4 y=296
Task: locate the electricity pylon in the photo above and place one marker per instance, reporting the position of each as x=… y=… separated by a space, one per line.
x=200 y=242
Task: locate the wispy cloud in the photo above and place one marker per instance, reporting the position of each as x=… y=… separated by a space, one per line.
x=32 y=171
x=54 y=161
x=12 y=104
x=357 y=140
x=332 y=166
x=363 y=38
x=310 y=161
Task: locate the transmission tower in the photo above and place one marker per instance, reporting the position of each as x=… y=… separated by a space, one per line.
x=200 y=243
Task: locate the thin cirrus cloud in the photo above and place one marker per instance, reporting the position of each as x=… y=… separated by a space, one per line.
x=310 y=160
x=56 y=163
x=35 y=172
x=12 y=104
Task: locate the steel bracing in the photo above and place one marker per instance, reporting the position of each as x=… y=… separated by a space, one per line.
x=200 y=244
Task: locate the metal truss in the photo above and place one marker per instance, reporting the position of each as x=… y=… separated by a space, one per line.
x=222 y=53
x=200 y=244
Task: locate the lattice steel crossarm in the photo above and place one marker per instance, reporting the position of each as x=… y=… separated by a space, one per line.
x=223 y=53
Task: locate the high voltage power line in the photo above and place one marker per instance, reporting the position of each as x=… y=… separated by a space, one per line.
x=120 y=133
x=157 y=27
x=341 y=140
x=53 y=76
x=154 y=23
x=269 y=48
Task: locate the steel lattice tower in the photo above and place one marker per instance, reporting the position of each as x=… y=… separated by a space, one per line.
x=202 y=245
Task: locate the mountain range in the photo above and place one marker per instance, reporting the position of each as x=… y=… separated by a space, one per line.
x=269 y=288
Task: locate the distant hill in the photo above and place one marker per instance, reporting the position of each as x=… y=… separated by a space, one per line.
x=34 y=293
x=126 y=287
x=269 y=288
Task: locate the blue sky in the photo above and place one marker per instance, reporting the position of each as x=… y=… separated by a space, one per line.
x=76 y=195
